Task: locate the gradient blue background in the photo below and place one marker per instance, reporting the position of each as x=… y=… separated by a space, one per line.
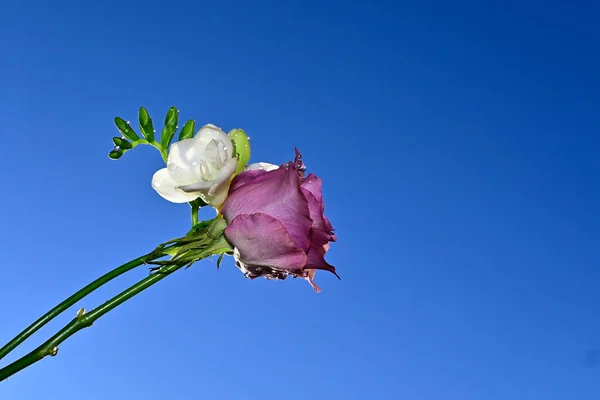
x=459 y=146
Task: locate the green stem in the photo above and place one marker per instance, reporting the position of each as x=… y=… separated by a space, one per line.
x=195 y=209
x=163 y=152
x=196 y=205
x=53 y=313
x=50 y=347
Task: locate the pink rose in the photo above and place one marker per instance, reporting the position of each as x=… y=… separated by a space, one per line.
x=277 y=224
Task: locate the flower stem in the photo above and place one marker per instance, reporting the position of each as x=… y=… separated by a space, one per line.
x=53 y=313
x=163 y=152
x=49 y=348
x=195 y=209
x=164 y=155
x=196 y=205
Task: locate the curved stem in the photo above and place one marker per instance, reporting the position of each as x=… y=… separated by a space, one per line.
x=53 y=313
x=49 y=348
x=163 y=152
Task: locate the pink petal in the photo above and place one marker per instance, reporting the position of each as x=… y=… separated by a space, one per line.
x=313 y=184
x=320 y=232
x=315 y=260
x=263 y=241
x=245 y=177
x=275 y=193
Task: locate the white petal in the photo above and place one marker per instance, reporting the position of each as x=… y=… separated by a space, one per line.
x=218 y=193
x=167 y=188
x=209 y=171
x=198 y=167
x=262 y=165
x=183 y=161
x=214 y=192
x=212 y=152
x=210 y=132
x=201 y=187
x=226 y=172
x=223 y=156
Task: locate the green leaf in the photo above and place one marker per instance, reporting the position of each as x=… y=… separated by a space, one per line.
x=146 y=126
x=187 y=132
x=126 y=130
x=115 y=154
x=219 y=260
x=242 y=148
x=170 y=127
x=122 y=143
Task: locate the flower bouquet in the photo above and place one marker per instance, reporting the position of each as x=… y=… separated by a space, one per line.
x=269 y=218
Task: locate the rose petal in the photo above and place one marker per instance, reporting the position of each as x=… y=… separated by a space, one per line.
x=263 y=241
x=310 y=278
x=315 y=260
x=245 y=177
x=277 y=194
x=329 y=227
x=314 y=185
x=250 y=172
x=167 y=188
x=320 y=232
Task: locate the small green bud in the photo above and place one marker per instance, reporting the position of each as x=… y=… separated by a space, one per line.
x=146 y=126
x=126 y=130
x=122 y=143
x=187 y=132
x=170 y=127
x=242 y=148
x=115 y=154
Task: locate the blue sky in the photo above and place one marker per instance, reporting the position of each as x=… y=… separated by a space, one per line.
x=458 y=144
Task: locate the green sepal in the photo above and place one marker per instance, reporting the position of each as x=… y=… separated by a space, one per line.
x=205 y=239
x=241 y=144
x=122 y=143
x=115 y=154
x=170 y=127
x=146 y=126
x=187 y=132
x=126 y=130
x=220 y=259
